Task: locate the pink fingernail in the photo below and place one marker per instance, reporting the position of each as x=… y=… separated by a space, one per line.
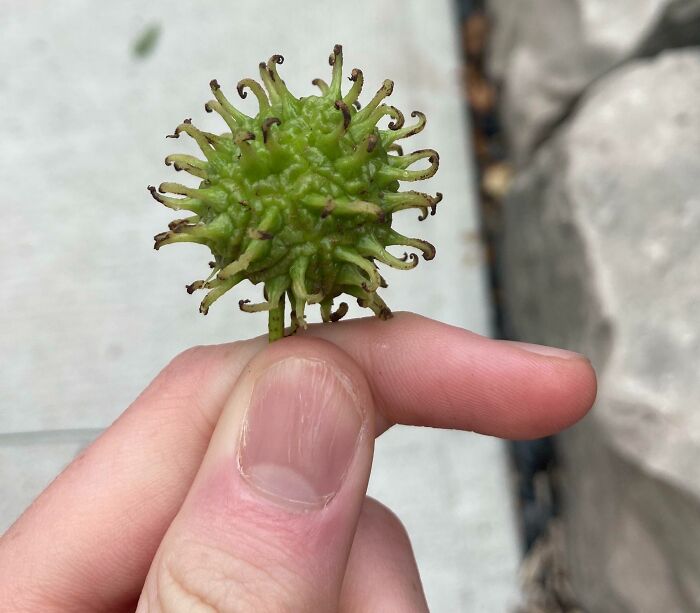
x=300 y=433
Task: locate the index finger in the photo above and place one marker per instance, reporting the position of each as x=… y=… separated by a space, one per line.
x=426 y=373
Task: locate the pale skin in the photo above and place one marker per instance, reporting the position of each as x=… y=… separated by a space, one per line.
x=158 y=515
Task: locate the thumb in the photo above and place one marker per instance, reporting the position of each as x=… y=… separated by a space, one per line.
x=270 y=518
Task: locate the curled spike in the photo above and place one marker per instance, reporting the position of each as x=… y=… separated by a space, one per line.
x=269 y=83
x=399 y=201
x=267 y=124
x=370 y=247
x=352 y=257
x=357 y=105
x=177 y=204
x=177 y=224
x=178 y=188
x=201 y=140
x=247 y=307
x=343 y=108
x=327 y=313
x=358 y=81
x=187 y=163
x=341 y=312
x=214 y=197
x=257 y=90
x=194 y=286
x=395 y=147
x=395 y=135
x=436 y=201
x=226 y=105
x=384 y=91
x=336 y=61
x=275 y=78
x=399 y=239
x=382 y=110
x=217 y=289
x=322 y=85
x=398 y=119
x=168 y=238
x=399 y=173
x=404 y=161
x=214 y=105
x=329 y=206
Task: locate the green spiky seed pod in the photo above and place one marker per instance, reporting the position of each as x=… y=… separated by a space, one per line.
x=301 y=196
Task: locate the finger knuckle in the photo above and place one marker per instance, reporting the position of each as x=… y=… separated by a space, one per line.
x=204 y=579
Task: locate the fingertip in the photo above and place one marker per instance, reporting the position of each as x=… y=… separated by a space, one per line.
x=562 y=392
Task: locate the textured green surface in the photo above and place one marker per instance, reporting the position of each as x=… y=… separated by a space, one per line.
x=301 y=196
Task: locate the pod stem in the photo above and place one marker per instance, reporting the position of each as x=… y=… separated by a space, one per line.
x=275 y=323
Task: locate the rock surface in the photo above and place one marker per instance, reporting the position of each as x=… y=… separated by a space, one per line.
x=546 y=52
x=601 y=254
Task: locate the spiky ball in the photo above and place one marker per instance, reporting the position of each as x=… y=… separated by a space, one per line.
x=300 y=197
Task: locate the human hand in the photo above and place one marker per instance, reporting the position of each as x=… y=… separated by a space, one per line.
x=237 y=480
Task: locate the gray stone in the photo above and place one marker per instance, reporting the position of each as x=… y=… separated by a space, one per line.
x=546 y=52
x=601 y=254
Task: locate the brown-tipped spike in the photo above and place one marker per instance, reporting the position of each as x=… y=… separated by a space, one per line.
x=244 y=137
x=343 y=108
x=385 y=313
x=436 y=201
x=214 y=84
x=194 y=286
x=267 y=124
x=277 y=59
x=397 y=123
x=159 y=238
x=240 y=89
x=177 y=224
x=372 y=141
x=337 y=50
x=340 y=312
x=356 y=72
